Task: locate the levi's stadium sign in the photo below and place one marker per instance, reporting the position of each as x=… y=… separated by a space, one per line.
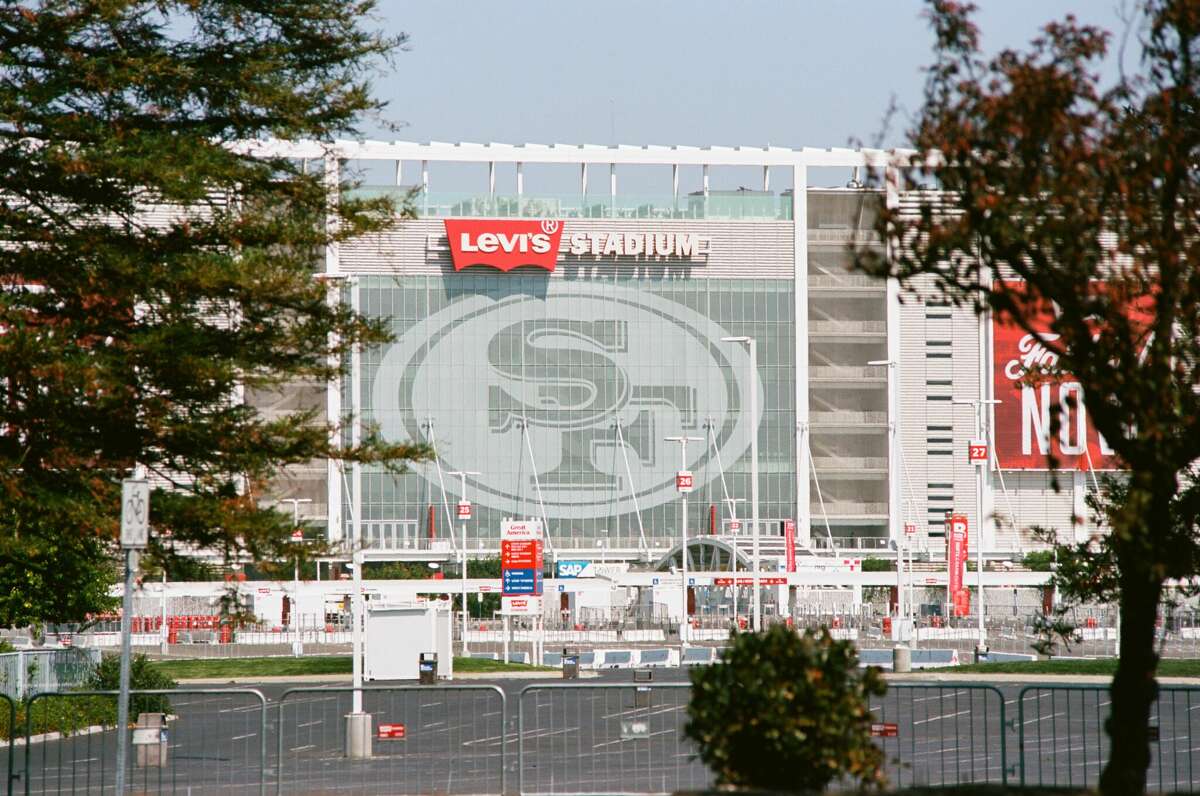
x=506 y=244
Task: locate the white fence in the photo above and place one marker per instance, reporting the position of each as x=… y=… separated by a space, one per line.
x=31 y=671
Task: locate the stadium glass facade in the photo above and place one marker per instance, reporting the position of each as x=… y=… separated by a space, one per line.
x=560 y=390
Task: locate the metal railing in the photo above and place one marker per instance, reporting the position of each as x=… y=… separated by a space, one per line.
x=9 y=716
x=569 y=738
x=215 y=741
x=942 y=735
x=452 y=740
x=611 y=738
x=1063 y=742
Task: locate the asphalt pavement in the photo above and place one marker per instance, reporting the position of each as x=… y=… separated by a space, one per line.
x=605 y=735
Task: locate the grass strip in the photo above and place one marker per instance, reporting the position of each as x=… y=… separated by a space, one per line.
x=1168 y=667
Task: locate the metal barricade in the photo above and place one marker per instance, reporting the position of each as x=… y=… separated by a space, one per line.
x=216 y=742
x=610 y=738
x=9 y=716
x=426 y=739
x=1063 y=742
x=941 y=735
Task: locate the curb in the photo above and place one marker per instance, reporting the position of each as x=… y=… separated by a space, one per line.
x=345 y=678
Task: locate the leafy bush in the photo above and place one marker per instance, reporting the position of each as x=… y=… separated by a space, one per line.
x=786 y=712
x=142 y=677
x=1039 y=560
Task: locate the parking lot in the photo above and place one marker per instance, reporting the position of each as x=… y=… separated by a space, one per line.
x=607 y=734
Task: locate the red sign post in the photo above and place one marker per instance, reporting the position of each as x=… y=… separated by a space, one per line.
x=977 y=452
x=464 y=510
x=684 y=481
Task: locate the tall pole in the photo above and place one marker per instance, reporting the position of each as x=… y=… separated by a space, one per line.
x=135 y=526
x=297 y=639
x=978 y=404
x=894 y=505
x=752 y=423
x=683 y=551
x=733 y=563
x=462 y=491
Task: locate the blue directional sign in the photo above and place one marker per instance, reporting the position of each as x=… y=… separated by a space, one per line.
x=521 y=581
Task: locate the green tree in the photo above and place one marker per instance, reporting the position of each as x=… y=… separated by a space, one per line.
x=152 y=271
x=1062 y=196
x=787 y=712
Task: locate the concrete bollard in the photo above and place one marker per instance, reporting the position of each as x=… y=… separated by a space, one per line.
x=358 y=736
x=901 y=659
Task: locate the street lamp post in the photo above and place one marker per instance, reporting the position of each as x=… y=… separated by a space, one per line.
x=977 y=404
x=683 y=551
x=462 y=491
x=752 y=344
x=894 y=473
x=297 y=639
x=732 y=501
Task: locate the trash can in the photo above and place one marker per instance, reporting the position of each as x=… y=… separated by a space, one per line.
x=150 y=740
x=641 y=695
x=982 y=654
x=570 y=664
x=427 y=668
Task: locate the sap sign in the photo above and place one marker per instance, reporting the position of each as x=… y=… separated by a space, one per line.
x=574 y=569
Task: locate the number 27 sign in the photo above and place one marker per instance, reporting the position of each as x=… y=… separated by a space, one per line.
x=977 y=452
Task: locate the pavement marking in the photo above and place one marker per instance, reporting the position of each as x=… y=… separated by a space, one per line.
x=644 y=711
x=302 y=748
x=243 y=737
x=310 y=723
x=939 y=718
x=1041 y=718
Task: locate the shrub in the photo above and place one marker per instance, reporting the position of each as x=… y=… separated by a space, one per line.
x=786 y=712
x=142 y=677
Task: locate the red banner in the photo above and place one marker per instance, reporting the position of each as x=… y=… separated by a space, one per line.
x=789 y=544
x=957 y=557
x=1023 y=416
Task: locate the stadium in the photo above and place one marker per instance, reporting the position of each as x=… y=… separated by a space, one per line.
x=549 y=342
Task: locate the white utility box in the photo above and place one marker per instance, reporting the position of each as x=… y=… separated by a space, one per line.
x=396 y=636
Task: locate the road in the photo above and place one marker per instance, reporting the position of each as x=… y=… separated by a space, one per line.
x=606 y=736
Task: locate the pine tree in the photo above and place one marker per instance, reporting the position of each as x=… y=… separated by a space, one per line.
x=152 y=271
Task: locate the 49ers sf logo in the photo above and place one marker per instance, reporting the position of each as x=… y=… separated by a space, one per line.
x=503 y=244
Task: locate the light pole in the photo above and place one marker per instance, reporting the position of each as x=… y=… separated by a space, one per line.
x=683 y=482
x=977 y=404
x=753 y=426
x=603 y=546
x=464 y=514
x=297 y=640
x=893 y=474
x=732 y=501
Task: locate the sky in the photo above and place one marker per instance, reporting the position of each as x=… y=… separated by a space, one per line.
x=801 y=73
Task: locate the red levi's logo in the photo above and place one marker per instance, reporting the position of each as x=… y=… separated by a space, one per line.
x=503 y=244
